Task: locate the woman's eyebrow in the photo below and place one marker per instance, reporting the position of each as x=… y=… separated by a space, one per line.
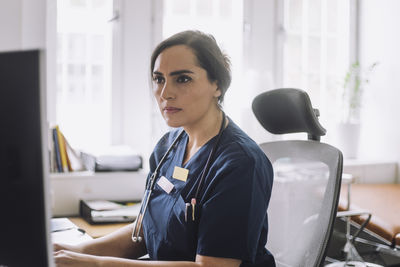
x=177 y=72
x=158 y=73
x=173 y=73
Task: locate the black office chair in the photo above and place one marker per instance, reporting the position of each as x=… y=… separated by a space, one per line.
x=307 y=179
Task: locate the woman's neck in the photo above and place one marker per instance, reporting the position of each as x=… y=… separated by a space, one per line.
x=202 y=131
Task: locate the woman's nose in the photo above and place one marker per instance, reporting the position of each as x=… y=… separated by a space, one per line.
x=167 y=92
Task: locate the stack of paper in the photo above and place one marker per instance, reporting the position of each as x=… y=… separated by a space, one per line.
x=100 y=211
x=116 y=158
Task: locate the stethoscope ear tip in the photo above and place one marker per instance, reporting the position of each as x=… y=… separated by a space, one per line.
x=136 y=239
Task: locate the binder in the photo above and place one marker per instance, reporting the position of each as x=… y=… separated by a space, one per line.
x=104 y=211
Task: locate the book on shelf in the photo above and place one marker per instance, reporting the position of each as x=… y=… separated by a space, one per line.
x=52 y=156
x=63 y=158
x=62 y=150
x=66 y=153
x=56 y=147
x=74 y=157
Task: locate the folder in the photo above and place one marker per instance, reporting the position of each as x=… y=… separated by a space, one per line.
x=105 y=211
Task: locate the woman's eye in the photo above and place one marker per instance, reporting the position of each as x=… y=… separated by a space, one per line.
x=183 y=79
x=158 y=79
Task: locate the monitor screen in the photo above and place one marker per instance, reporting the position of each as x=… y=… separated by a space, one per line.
x=24 y=238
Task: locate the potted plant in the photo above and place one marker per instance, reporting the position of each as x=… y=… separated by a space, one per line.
x=355 y=81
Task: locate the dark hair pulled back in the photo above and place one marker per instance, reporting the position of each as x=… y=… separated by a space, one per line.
x=209 y=56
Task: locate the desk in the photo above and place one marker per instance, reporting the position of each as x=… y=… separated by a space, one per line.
x=383 y=201
x=96 y=230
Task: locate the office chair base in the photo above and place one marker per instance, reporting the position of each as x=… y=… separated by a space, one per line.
x=352 y=264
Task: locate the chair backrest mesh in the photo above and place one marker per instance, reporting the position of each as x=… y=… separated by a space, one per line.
x=307 y=176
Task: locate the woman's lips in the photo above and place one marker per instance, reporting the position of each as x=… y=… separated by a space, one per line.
x=171 y=110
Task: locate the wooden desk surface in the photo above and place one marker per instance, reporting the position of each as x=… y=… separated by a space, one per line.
x=96 y=230
x=382 y=201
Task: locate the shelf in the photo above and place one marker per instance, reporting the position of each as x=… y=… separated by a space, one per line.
x=91 y=174
x=68 y=188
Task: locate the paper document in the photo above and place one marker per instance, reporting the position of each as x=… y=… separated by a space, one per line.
x=66 y=232
x=123 y=212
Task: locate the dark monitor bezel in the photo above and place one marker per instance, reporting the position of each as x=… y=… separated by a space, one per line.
x=24 y=185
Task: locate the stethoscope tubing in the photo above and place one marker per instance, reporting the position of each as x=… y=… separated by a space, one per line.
x=143 y=206
x=150 y=186
x=207 y=166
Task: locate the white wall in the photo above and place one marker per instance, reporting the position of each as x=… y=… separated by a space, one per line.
x=22 y=24
x=380 y=41
x=10 y=25
x=260 y=62
x=136 y=47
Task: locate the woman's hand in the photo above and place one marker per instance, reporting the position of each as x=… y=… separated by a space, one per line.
x=73 y=259
x=58 y=247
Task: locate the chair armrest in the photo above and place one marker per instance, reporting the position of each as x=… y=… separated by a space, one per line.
x=351 y=213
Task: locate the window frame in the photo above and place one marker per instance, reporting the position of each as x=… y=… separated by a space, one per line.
x=353 y=49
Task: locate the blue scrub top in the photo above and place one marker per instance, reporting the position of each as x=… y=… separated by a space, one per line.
x=231 y=212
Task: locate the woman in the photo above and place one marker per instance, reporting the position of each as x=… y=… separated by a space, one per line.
x=212 y=184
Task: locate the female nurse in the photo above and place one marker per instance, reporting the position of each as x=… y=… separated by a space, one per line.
x=209 y=184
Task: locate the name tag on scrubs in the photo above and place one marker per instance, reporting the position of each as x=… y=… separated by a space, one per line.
x=165 y=184
x=180 y=173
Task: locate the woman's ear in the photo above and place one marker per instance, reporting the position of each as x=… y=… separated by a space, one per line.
x=217 y=92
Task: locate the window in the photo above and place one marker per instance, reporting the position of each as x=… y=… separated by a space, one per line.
x=315 y=50
x=83 y=99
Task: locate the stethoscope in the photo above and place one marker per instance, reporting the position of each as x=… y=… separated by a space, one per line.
x=151 y=183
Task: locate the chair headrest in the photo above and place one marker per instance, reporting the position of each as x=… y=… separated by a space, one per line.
x=287 y=110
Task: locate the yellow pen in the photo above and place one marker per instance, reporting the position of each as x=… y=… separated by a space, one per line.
x=193 y=202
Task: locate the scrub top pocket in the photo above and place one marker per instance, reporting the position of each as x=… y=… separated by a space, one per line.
x=167 y=235
x=181 y=233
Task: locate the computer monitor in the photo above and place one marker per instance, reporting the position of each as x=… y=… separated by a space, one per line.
x=24 y=209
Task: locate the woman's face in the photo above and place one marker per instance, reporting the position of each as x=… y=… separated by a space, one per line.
x=184 y=94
